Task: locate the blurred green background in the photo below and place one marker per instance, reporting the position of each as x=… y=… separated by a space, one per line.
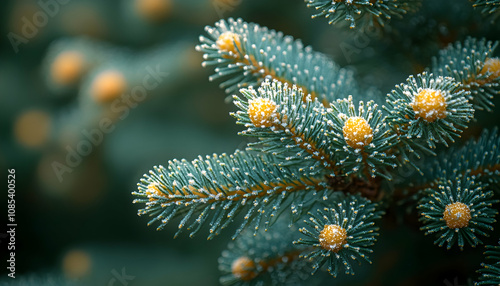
x=64 y=69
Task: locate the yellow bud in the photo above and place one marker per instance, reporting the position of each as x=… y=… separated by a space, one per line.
x=457 y=215
x=357 y=132
x=261 y=111
x=332 y=237
x=430 y=104
x=229 y=42
x=492 y=65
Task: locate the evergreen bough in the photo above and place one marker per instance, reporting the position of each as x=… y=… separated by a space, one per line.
x=308 y=193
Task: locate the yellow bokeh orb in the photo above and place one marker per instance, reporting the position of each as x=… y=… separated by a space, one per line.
x=243 y=268
x=67 y=68
x=108 y=85
x=32 y=128
x=76 y=264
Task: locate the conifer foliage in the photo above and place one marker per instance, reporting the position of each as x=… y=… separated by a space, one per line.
x=364 y=11
x=307 y=195
x=490 y=273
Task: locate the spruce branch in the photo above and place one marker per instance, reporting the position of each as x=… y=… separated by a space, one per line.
x=472 y=64
x=361 y=139
x=490 y=7
x=265 y=259
x=481 y=158
x=244 y=54
x=220 y=187
x=428 y=108
x=289 y=125
x=341 y=233
x=490 y=273
x=317 y=150
x=366 y=12
x=478 y=157
x=458 y=210
x=338 y=141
